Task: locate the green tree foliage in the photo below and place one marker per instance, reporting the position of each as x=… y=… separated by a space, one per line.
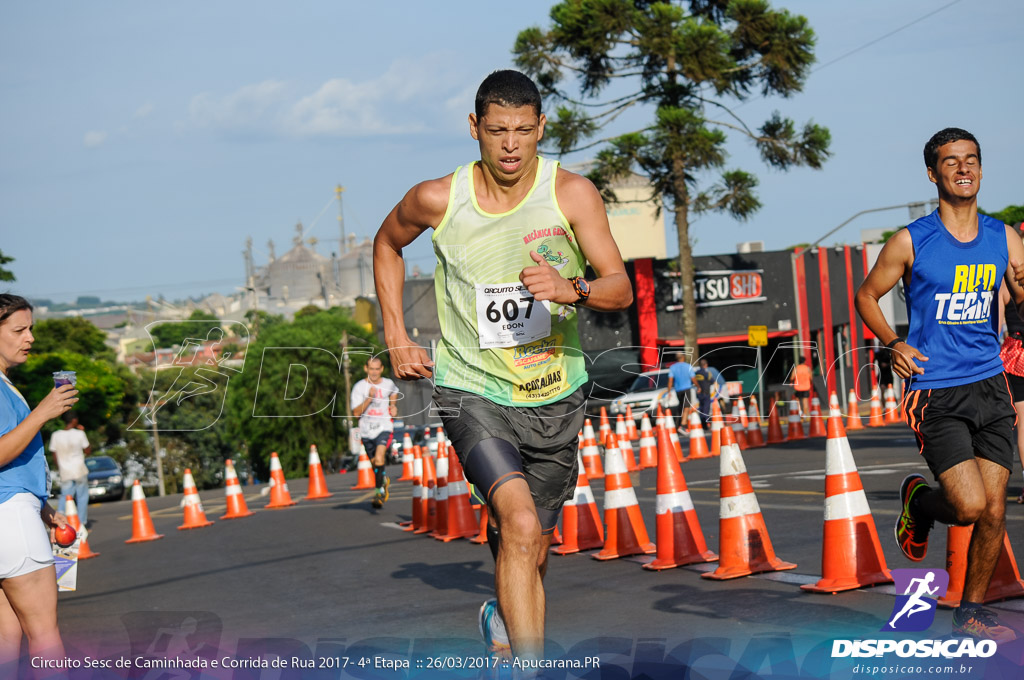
x=292 y=391
x=691 y=63
x=107 y=392
x=73 y=334
x=5 y=274
x=1011 y=214
x=197 y=327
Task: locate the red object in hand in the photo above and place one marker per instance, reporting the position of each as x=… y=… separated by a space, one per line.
x=65 y=535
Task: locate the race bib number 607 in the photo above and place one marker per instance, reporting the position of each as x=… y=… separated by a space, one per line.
x=507 y=315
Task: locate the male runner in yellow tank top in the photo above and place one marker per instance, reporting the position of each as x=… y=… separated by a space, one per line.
x=512 y=233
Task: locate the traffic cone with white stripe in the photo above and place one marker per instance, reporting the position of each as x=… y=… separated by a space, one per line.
x=698 y=445
x=625 y=446
x=755 y=439
x=817 y=426
x=236 y=507
x=605 y=429
x=364 y=473
x=717 y=423
x=649 y=445
x=440 y=490
x=591 y=453
x=462 y=521
x=195 y=517
x=875 y=418
x=71 y=512
x=834 y=409
x=280 y=496
x=418 y=502
x=744 y=546
x=892 y=408
x=851 y=555
x=631 y=425
x=795 y=428
x=673 y=436
x=626 y=534
x=142 y=523
x=679 y=537
x=427 y=489
x=853 y=421
x=408 y=473
x=581 y=522
x=738 y=423
x=774 y=426
x=1005 y=582
x=317 y=488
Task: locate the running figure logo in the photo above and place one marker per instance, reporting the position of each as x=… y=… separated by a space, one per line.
x=915 y=608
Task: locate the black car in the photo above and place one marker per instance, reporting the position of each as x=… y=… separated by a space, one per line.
x=106 y=481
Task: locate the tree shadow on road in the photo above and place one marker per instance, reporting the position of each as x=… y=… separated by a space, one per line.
x=468 y=577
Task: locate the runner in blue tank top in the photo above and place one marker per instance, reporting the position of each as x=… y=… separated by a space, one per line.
x=957 y=401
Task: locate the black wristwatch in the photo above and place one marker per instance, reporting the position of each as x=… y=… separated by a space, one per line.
x=892 y=343
x=582 y=288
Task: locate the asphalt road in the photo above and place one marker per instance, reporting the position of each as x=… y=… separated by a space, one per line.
x=334 y=578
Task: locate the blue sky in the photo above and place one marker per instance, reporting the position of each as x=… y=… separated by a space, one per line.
x=141 y=143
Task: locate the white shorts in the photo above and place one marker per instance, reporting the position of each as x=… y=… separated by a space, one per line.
x=24 y=540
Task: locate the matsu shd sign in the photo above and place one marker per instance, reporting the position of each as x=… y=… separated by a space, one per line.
x=719 y=287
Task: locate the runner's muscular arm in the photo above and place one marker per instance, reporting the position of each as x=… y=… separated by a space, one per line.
x=893 y=262
x=583 y=208
x=421 y=209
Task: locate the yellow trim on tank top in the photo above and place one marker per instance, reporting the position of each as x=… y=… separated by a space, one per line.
x=472 y=190
x=448 y=209
x=561 y=215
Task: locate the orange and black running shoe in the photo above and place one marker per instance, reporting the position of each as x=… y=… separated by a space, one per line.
x=981 y=624
x=912 y=532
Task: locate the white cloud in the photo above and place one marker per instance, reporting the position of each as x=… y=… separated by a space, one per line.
x=94 y=138
x=144 y=111
x=411 y=96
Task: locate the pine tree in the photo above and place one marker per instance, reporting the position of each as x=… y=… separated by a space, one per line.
x=692 y=63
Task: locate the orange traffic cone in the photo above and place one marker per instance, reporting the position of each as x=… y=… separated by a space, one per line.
x=674 y=436
x=631 y=425
x=605 y=428
x=851 y=555
x=795 y=429
x=744 y=545
x=461 y=518
x=626 y=534
x=71 y=512
x=1006 y=582
x=581 y=523
x=482 y=536
x=834 y=409
x=755 y=439
x=698 y=445
x=679 y=537
x=591 y=453
x=625 y=445
x=817 y=427
x=774 y=426
x=875 y=418
x=892 y=408
x=364 y=473
x=408 y=474
x=142 y=524
x=236 y=506
x=195 y=517
x=418 y=501
x=280 y=496
x=440 y=491
x=317 y=481
x=649 y=445
x=738 y=423
x=717 y=423
x=428 y=485
x=853 y=421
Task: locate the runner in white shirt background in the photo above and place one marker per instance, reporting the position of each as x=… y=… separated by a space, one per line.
x=374 y=402
x=69 y=447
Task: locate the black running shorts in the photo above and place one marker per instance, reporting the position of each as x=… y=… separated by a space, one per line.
x=487 y=438
x=1016 y=386
x=954 y=424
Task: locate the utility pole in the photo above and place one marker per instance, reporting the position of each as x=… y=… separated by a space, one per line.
x=338 y=191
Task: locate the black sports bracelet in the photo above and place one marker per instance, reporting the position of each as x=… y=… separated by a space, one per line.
x=891 y=344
